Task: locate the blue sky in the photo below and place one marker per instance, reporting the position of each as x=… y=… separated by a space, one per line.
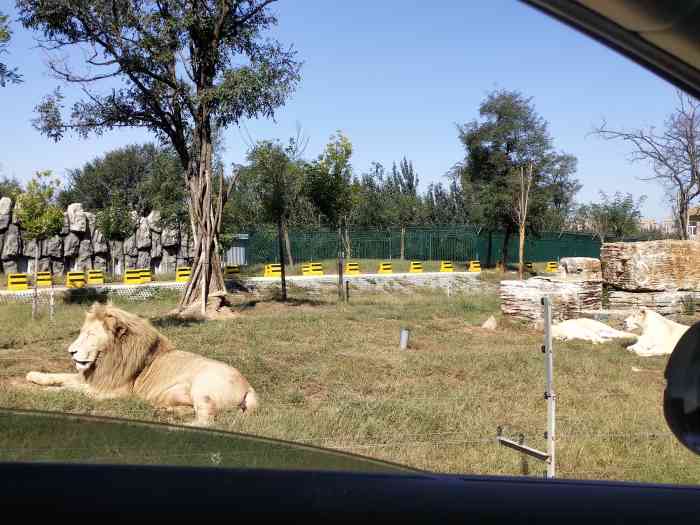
x=395 y=77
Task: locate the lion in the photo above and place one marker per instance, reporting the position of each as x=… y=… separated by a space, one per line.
x=119 y=354
x=659 y=335
x=588 y=330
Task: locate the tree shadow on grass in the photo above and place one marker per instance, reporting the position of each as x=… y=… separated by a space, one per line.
x=171 y=321
x=84 y=296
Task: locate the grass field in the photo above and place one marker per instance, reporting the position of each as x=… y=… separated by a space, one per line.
x=331 y=375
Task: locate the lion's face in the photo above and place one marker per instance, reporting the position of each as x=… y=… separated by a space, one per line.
x=92 y=340
x=636 y=320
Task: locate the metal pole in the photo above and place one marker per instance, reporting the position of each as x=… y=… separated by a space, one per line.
x=549 y=394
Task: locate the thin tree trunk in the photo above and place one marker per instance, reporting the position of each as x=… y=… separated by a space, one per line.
x=682 y=204
x=403 y=242
x=504 y=252
x=288 y=245
x=280 y=243
x=36 y=269
x=521 y=251
x=489 y=251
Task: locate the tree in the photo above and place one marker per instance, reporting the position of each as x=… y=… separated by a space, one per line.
x=116 y=223
x=39 y=216
x=673 y=154
x=187 y=68
x=9 y=187
x=279 y=185
x=521 y=199
x=402 y=187
x=6 y=74
x=615 y=216
x=510 y=136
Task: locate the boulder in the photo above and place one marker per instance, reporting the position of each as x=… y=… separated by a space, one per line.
x=57 y=266
x=130 y=246
x=84 y=259
x=29 y=248
x=665 y=303
x=131 y=262
x=585 y=268
x=2 y=241
x=168 y=262
x=71 y=245
x=10 y=266
x=156 y=246
x=66 y=225
x=170 y=237
x=99 y=262
x=651 y=266
x=5 y=212
x=143 y=235
x=115 y=248
x=143 y=259
x=77 y=220
x=53 y=247
x=99 y=242
x=523 y=299
x=91 y=221
x=153 y=220
x=12 y=247
x=44 y=264
x=490 y=323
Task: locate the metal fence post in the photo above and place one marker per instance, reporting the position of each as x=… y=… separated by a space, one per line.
x=549 y=394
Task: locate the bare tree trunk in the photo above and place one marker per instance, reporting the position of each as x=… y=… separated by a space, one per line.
x=35 y=296
x=682 y=207
x=403 y=242
x=521 y=251
x=504 y=252
x=288 y=245
x=280 y=243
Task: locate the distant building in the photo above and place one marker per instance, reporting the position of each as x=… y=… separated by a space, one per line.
x=648 y=225
x=693 y=222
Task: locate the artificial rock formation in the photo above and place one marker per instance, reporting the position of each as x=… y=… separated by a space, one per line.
x=585 y=268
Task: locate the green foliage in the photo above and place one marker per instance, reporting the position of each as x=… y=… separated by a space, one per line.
x=115 y=221
x=615 y=217
x=6 y=74
x=9 y=187
x=36 y=208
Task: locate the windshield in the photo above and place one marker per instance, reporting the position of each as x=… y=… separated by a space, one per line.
x=373 y=217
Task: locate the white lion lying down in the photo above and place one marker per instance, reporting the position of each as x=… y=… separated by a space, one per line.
x=119 y=354
x=659 y=335
x=588 y=330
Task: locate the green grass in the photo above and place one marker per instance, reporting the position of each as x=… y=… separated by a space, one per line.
x=332 y=375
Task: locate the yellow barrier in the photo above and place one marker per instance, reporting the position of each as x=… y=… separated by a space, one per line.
x=312 y=269
x=273 y=270
x=44 y=279
x=145 y=275
x=529 y=267
x=183 y=274
x=352 y=268
x=75 y=280
x=551 y=267
x=132 y=277
x=415 y=267
x=474 y=267
x=231 y=270
x=447 y=266
x=17 y=281
x=385 y=267
x=95 y=277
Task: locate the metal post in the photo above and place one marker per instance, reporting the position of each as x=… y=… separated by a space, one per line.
x=403 y=339
x=549 y=394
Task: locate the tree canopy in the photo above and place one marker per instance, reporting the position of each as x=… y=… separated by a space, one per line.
x=7 y=74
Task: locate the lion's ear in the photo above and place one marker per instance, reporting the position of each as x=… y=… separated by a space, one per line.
x=112 y=324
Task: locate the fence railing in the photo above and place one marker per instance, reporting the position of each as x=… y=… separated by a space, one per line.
x=453 y=244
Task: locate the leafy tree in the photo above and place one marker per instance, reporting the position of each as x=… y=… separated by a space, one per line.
x=39 y=216
x=6 y=74
x=9 y=187
x=116 y=222
x=615 y=216
x=510 y=136
x=402 y=188
x=187 y=68
x=279 y=184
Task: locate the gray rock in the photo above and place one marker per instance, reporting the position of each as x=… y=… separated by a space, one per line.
x=99 y=262
x=154 y=221
x=10 y=266
x=130 y=262
x=168 y=261
x=71 y=245
x=490 y=323
x=144 y=259
x=66 y=225
x=57 y=266
x=76 y=218
x=29 y=248
x=183 y=261
x=5 y=212
x=91 y=221
x=53 y=247
x=84 y=259
x=156 y=246
x=143 y=235
x=44 y=264
x=2 y=240
x=170 y=237
x=130 y=246
x=12 y=247
x=99 y=242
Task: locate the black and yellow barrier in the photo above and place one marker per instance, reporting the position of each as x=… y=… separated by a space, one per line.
x=132 y=277
x=273 y=270
x=474 y=267
x=551 y=267
x=183 y=274
x=17 y=281
x=44 y=279
x=75 y=280
x=352 y=268
x=312 y=269
x=231 y=270
x=385 y=267
x=415 y=267
x=145 y=275
x=447 y=266
x=95 y=277
x=529 y=267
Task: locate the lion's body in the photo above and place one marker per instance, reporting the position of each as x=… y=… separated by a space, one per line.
x=659 y=335
x=120 y=354
x=588 y=330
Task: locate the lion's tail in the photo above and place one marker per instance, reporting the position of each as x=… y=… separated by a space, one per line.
x=250 y=401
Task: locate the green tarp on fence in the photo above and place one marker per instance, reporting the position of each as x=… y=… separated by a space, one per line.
x=449 y=244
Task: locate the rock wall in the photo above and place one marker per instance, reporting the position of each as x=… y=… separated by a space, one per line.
x=82 y=246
